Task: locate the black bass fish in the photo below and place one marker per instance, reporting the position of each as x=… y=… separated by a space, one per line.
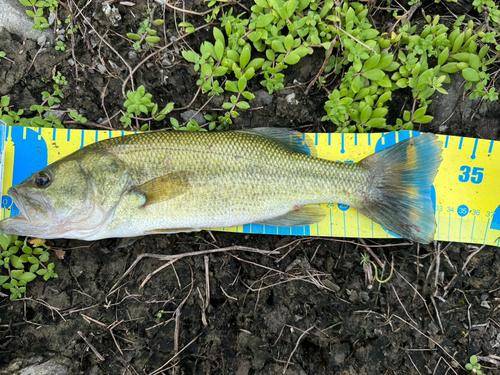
x=168 y=182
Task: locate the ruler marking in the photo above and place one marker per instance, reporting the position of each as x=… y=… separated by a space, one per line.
x=461 y=143
x=342 y=148
x=460 y=231
x=369 y=139
x=54 y=134
x=345 y=230
x=329 y=139
x=316 y=139
x=356 y=139
x=439 y=222
x=449 y=226
x=331 y=224
x=446 y=142
x=359 y=235
x=473 y=156
x=486 y=231
x=491 y=147
x=472 y=231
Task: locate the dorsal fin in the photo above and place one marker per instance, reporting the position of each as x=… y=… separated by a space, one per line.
x=290 y=139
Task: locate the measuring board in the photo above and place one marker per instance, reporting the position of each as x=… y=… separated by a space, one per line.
x=465 y=192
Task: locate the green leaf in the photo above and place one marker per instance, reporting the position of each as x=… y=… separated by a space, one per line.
x=231 y=86
x=374 y=74
x=450 y=68
x=5 y=240
x=288 y=42
x=206 y=70
x=242 y=84
x=227 y=105
x=3 y=279
x=219 y=36
x=292 y=59
x=365 y=114
x=219 y=49
x=264 y=20
x=419 y=113
x=243 y=105
x=443 y=56
x=458 y=43
x=16 y=274
x=424 y=119
x=470 y=75
x=152 y=40
x=27 y=276
x=278 y=46
x=376 y=123
x=474 y=62
x=133 y=36
x=245 y=56
x=5 y=101
x=371 y=63
x=16 y=262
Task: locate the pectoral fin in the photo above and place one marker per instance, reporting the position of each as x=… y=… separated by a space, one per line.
x=305 y=215
x=164 y=188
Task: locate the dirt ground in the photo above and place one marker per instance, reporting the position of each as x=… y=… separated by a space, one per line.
x=232 y=303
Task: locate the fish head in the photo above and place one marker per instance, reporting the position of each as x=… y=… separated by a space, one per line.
x=70 y=198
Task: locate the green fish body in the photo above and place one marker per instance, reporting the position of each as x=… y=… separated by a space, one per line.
x=167 y=182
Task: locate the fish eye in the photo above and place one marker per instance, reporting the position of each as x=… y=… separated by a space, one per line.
x=42 y=179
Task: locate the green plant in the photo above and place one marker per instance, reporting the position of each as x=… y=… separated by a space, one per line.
x=77 y=117
x=473 y=366
x=145 y=33
x=191 y=126
x=2 y=54
x=22 y=263
x=366 y=66
x=38 y=10
x=139 y=102
x=60 y=46
x=491 y=8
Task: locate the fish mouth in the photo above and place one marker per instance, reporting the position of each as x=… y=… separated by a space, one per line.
x=18 y=201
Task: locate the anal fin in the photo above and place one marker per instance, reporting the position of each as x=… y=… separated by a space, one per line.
x=304 y=215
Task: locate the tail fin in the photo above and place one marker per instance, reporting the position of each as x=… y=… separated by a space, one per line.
x=399 y=194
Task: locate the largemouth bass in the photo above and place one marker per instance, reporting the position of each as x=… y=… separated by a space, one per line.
x=168 y=182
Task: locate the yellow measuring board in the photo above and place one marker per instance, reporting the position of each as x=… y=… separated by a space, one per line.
x=465 y=191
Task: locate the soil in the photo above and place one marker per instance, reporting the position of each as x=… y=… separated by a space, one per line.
x=242 y=304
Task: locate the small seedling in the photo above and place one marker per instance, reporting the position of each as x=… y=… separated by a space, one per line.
x=21 y=263
x=77 y=117
x=139 y=102
x=60 y=46
x=146 y=33
x=473 y=366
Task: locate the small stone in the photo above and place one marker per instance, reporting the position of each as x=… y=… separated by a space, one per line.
x=132 y=55
x=52 y=18
x=101 y=68
x=290 y=98
x=331 y=285
x=198 y=116
x=71 y=62
x=354 y=296
x=485 y=304
x=433 y=328
x=364 y=296
x=41 y=40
